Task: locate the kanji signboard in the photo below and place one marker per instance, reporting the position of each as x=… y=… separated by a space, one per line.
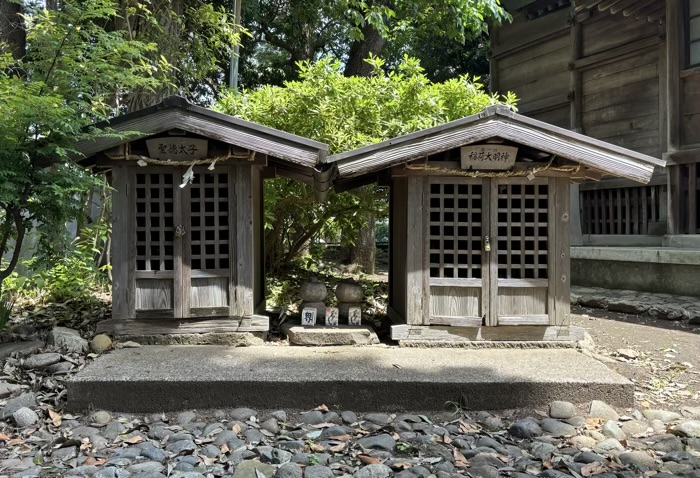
x=488 y=157
x=177 y=147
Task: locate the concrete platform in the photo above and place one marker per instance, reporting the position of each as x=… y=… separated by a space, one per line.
x=375 y=378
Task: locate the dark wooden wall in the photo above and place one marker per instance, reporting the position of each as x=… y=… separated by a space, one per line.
x=612 y=76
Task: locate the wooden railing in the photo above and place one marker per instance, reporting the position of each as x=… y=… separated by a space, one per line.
x=623 y=210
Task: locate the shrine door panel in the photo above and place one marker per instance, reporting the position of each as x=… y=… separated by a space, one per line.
x=156 y=255
x=457 y=271
x=208 y=244
x=520 y=252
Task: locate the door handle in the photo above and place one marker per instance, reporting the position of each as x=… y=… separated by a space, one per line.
x=487 y=244
x=180 y=231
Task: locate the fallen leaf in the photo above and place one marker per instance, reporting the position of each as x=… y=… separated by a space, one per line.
x=4 y=437
x=259 y=474
x=236 y=428
x=337 y=448
x=460 y=460
x=323 y=425
x=224 y=448
x=315 y=447
x=447 y=439
x=55 y=418
x=341 y=437
x=591 y=469
x=133 y=440
x=369 y=460
x=321 y=408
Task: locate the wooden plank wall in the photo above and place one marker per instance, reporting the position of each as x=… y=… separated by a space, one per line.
x=537 y=73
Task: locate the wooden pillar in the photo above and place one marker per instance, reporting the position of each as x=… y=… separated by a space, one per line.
x=560 y=252
x=575 y=213
x=416 y=295
x=120 y=243
x=674 y=40
x=575 y=84
x=241 y=228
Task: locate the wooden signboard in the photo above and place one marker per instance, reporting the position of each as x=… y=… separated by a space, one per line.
x=487 y=157
x=177 y=147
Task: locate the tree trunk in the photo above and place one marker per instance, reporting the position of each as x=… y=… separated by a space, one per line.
x=360 y=50
x=363 y=252
x=12 y=28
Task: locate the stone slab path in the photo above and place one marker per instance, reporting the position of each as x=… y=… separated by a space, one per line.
x=657 y=306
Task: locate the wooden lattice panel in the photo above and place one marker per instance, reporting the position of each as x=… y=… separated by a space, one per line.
x=455 y=231
x=522 y=231
x=209 y=221
x=154 y=222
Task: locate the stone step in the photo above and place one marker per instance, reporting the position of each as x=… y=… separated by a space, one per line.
x=373 y=378
x=321 y=335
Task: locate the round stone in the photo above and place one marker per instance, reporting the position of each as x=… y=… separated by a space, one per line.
x=689 y=428
x=525 y=428
x=101 y=417
x=635 y=427
x=561 y=409
x=349 y=292
x=600 y=409
x=638 y=458
x=373 y=471
x=556 y=428
x=100 y=343
x=40 y=361
x=313 y=291
x=661 y=415
x=25 y=417
x=290 y=470
x=318 y=471
x=611 y=430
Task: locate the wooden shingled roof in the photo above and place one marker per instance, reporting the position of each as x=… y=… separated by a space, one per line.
x=299 y=157
x=497 y=122
x=647 y=10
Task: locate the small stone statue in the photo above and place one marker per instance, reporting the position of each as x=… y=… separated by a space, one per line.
x=313 y=293
x=350 y=295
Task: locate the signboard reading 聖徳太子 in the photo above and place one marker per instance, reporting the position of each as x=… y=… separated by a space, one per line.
x=488 y=157
x=177 y=148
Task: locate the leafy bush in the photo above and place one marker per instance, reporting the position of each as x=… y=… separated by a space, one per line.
x=346 y=113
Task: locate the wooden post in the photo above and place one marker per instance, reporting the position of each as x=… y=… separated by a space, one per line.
x=120 y=243
x=576 y=231
x=490 y=224
x=241 y=285
x=415 y=250
x=575 y=84
x=674 y=47
x=674 y=200
x=560 y=251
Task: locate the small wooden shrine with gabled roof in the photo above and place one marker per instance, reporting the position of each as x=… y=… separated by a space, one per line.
x=187 y=244
x=480 y=223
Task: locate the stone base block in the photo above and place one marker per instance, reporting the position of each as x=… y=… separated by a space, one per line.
x=232 y=339
x=320 y=335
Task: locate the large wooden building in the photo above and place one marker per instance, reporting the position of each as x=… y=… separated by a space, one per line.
x=187 y=251
x=480 y=223
x=626 y=72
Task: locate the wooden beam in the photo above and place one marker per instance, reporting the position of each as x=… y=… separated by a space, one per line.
x=675 y=39
x=617 y=53
x=457 y=321
x=524 y=333
x=184 y=326
x=620 y=6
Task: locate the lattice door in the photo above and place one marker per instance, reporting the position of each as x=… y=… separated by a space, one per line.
x=521 y=253
x=209 y=243
x=455 y=255
x=155 y=259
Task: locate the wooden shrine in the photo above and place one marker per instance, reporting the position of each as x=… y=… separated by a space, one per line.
x=480 y=223
x=187 y=246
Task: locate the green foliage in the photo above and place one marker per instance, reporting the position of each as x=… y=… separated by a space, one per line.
x=286 y=32
x=75 y=73
x=194 y=39
x=346 y=113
